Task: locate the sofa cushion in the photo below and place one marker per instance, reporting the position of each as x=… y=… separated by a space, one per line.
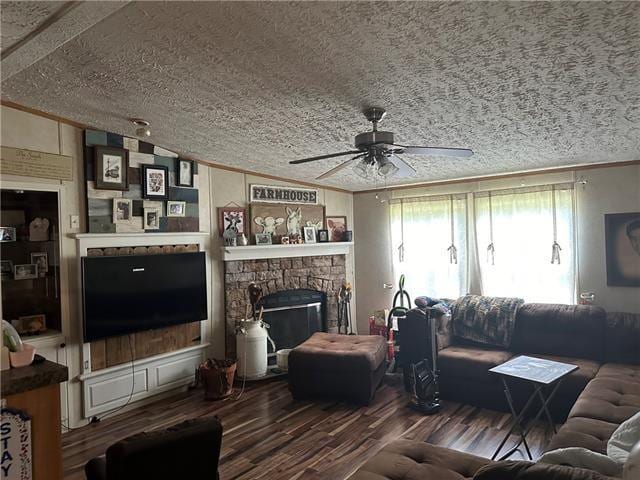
x=340 y=353
x=583 y=432
x=472 y=362
x=411 y=460
x=622 y=338
x=610 y=399
x=519 y=470
x=554 y=329
x=626 y=373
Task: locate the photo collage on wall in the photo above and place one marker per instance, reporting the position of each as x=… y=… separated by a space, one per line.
x=134 y=186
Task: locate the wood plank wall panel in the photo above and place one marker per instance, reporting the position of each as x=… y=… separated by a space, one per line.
x=116 y=350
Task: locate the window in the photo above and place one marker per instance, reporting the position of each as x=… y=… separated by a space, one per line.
x=422 y=227
x=522 y=224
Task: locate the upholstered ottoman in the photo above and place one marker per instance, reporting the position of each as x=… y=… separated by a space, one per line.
x=345 y=367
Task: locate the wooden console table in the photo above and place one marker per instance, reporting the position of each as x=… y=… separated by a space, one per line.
x=35 y=390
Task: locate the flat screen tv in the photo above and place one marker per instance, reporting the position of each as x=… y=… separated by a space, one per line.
x=130 y=294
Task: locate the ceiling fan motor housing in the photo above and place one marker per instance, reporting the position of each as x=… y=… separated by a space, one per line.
x=369 y=139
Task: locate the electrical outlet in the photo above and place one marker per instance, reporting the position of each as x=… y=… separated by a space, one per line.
x=74 y=221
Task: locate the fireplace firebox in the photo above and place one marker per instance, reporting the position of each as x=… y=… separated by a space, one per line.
x=294 y=315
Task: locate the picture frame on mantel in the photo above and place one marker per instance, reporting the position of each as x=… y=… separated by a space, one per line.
x=111 y=168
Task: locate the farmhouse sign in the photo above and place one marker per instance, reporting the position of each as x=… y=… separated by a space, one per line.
x=279 y=194
x=15 y=445
x=29 y=163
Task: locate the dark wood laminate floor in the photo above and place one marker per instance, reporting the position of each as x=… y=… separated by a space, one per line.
x=267 y=435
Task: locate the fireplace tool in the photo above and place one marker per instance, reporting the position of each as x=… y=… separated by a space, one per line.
x=344 y=309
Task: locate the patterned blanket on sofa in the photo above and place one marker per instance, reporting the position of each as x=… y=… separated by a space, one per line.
x=488 y=320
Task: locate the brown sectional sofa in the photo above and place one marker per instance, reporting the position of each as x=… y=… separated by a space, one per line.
x=611 y=394
x=565 y=333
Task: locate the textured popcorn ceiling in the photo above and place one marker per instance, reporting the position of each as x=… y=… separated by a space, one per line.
x=254 y=85
x=21 y=18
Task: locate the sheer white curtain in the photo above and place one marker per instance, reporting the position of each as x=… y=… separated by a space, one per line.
x=422 y=226
x=520 y=223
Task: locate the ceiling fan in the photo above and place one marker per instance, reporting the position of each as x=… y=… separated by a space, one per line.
x=377 y=154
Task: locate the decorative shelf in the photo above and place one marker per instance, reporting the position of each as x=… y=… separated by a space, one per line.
x=257 y=252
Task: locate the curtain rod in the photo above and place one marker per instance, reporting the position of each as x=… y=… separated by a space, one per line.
x=460 y=195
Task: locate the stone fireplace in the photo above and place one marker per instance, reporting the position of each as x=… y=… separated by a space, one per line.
x=321 y=273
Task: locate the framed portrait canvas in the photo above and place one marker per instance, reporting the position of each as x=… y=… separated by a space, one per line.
x=231 y=218
x=336 y=225
x=155 y=182
x=176 y=208
x=122 y=208
x=112 y=169
x=151 y=219
x=184 y=175
x=622 y=238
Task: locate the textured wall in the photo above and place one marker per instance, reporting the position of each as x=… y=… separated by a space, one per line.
x=100 y=202
x=256 y=84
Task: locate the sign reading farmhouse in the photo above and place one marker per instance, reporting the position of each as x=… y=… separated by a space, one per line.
x=15 y=445
x=29 y=163
x=277 y=194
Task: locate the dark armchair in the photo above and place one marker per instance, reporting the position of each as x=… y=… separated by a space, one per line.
x=190 y=450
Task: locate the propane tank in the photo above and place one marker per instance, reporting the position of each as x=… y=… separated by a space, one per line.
x=251 y=346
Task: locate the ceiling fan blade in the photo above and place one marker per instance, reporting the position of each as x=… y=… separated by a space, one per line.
x=322 y=157
x=443 y=151
x=404 y=169
x=335 y=170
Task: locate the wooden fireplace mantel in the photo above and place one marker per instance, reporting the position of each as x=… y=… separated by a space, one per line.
x=257 y=252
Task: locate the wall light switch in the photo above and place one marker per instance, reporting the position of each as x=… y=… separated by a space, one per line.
x=74 y=221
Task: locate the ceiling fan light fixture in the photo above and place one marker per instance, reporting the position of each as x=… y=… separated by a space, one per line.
x=386 y=168
x=362 y=168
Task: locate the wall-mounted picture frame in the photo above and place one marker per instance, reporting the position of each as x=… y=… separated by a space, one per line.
x=622 y=240
x=7 y=234
x=155 y=182
x=41 y=259
x=323 y=236
x=263 y=239
x=111 y=168
x=25 y=271
x=151 y=218
x=176 y=208
x=336 y=225
x=310 y=235
x=122 y=210
x=184 y=173
x=6 y=268
x=232 y=218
